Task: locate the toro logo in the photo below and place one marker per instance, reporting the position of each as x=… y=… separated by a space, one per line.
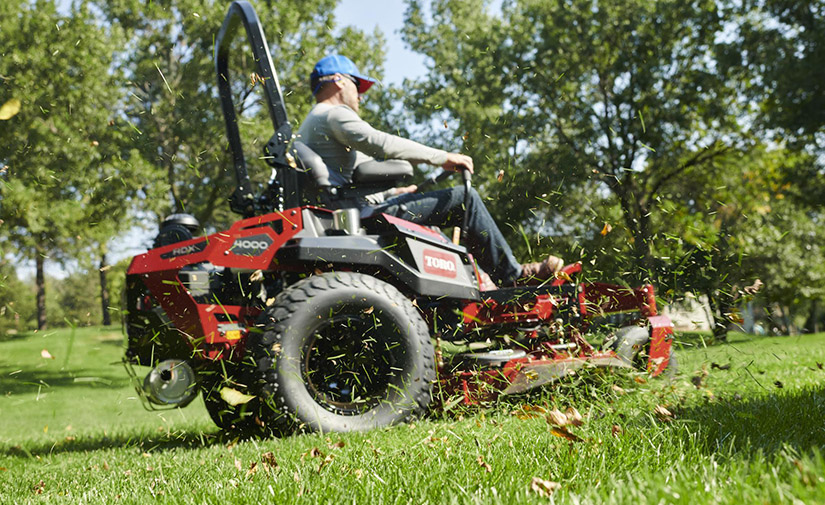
x=251 y=246
x=440 y=263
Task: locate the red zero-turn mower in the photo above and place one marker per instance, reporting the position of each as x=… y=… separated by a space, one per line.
x=301 y=317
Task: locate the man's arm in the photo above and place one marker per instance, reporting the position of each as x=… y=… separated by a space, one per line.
x=352 y=131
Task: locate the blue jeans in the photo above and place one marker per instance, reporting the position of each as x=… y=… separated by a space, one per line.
x=445 y=207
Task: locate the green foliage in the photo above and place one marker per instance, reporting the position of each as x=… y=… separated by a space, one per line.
x=17 y=311
x=779 y=52
x=776 y=51
x=69 y=179
x=63 y=163
x=577 y=98
x=172 y=102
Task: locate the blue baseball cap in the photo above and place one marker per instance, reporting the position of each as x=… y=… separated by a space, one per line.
x=338 y=64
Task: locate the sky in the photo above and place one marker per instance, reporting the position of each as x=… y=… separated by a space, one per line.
x=388 y=15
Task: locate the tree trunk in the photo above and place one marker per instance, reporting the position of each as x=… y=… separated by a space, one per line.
x=104 y=291
x=40 y=281
x=637 y=219
x=812 y=324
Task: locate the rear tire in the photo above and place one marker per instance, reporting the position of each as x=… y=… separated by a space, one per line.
x=342 y=351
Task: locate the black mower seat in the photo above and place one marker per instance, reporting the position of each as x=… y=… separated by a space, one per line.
x=328 y=188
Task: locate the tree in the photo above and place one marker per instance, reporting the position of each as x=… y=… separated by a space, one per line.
x=778 y=50
x=56 y=150
x=612 y=98
x=17 y=311
x=174 y=106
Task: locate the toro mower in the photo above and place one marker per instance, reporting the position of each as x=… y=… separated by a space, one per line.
x=300 y=317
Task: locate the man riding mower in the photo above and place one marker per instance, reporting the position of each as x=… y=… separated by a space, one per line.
x=329 y=318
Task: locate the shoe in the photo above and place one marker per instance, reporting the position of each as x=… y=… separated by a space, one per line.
x=541 y=271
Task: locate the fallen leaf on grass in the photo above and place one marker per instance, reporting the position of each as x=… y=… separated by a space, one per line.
x=543 y=487
x=573 y=416
x=529 y=412
x=337 y=445
x=808 y=477
x=558 y=418
x=39 y=487
x=663 y=414
x=253 y=469
x=234 y=397
x=326 y=461
x=238 y=465
x=484 y=464
x=607 y=229
x=617 y=389
x=640 y=380
x=563 y=433
x=616 y=430
x=45 y=354
x=3 y=469
x=268 y=460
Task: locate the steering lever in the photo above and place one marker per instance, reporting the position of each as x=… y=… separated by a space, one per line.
x=468 y=185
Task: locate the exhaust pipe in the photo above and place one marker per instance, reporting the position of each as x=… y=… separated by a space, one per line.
x=171 y=383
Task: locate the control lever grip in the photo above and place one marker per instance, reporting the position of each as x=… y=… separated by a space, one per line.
x=434 y=179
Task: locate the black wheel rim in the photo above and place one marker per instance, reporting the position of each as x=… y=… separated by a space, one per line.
x=351 y=361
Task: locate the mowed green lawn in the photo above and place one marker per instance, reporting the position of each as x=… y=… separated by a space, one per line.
x=73 y=431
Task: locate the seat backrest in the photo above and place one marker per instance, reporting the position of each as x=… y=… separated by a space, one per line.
x=311 y=165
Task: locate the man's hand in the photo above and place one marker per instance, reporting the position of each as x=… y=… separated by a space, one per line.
x=405 y=189
x=456 y=162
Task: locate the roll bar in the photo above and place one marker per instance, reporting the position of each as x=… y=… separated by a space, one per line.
x=282 y=192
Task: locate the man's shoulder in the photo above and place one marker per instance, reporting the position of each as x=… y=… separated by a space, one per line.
x=338 y=111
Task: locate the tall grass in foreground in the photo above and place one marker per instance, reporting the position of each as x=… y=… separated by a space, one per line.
x=746 y=428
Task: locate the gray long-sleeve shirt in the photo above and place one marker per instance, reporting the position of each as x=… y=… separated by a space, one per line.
x=344 y=141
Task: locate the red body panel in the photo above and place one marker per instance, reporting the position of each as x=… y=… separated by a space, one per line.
x=661 y=338
x=199 y=322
